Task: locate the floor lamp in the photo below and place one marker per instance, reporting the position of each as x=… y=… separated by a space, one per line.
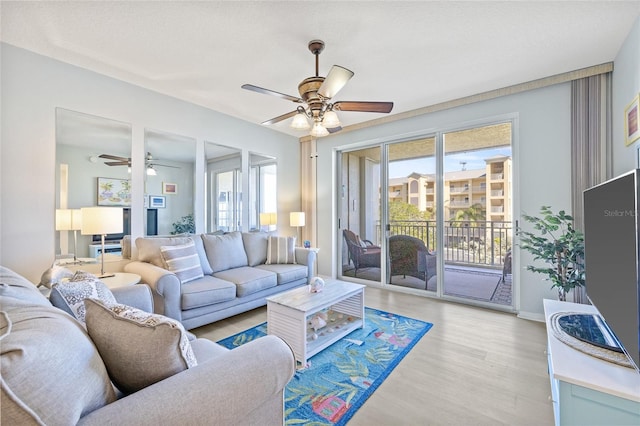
x=102 y=221
x=297 y=219
x=70 y=220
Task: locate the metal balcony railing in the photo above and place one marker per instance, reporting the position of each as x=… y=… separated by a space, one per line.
x=480 y=243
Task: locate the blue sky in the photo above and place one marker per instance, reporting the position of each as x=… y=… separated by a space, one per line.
x=452 y=162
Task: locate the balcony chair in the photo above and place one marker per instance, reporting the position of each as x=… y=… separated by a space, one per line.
x=409 y=256
x=506 y=267
x=363 y=253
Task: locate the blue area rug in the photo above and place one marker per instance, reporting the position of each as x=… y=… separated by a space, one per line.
x=339 y=379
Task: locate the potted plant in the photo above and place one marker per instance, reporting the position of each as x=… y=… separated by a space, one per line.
x=558 y=244
x=185 y=225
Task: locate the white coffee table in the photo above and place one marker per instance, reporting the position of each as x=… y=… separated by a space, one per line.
x=289 y=316
x=121 y=279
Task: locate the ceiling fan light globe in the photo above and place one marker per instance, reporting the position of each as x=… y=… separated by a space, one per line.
x=318 y=130
x=330 y=120
x=151 y=171
x=300 y=122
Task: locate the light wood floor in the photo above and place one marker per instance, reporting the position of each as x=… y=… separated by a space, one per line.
x=474 y=367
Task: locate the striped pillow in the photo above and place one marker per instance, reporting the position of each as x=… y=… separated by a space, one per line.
x=183 y=261
x=281 y=250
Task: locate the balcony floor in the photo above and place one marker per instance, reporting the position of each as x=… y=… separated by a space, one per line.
x=466 y=282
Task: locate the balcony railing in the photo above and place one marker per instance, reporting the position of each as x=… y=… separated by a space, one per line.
x=483 y=243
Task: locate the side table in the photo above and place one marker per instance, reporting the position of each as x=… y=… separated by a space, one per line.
x=121 y=279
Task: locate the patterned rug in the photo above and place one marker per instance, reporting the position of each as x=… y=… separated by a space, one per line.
x=337 y=381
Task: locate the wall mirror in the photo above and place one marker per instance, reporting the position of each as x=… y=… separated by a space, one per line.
x=262 y=191
x=223 y=203
x=81 y=174
x=169 y=183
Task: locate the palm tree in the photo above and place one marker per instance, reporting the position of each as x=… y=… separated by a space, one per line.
x=473 y=214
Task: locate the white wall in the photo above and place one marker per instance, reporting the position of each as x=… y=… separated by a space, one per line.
x=626 y=85
x=541 y=167
x=33 y=86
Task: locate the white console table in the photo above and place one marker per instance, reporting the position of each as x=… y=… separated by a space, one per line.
x=95 y=250
x=587 y=390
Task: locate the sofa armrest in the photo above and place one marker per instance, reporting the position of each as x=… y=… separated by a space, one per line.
x=165 y=287
x=243 y=386
x=305 y=256
x=139 y=296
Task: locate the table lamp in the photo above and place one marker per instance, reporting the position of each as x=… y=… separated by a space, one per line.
x=268 y=220
x=102 y=221
x=297 y=219
x=70 y=220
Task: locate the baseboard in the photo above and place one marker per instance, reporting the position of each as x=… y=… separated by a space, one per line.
x=532 y=316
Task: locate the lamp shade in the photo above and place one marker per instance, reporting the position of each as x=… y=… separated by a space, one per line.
x=330 y=120
x=101 y=220
x=318 y=130
x=268 y=219
x=68 y=219
x=296 y=218
x=300 y=122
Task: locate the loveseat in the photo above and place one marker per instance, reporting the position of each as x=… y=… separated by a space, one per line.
x=227 y=274
x=53 y=371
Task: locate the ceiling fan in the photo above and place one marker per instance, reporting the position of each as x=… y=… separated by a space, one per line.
x=315 y=94
x=124 y=161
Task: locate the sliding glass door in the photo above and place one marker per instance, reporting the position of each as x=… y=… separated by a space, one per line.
x=444 y=225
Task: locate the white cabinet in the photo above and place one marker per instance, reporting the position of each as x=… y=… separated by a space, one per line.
x=587 y=390
x=95 y=250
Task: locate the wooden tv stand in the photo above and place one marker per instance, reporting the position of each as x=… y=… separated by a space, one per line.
x=586 y=390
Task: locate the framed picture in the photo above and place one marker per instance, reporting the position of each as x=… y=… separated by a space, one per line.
x=169 y=188
x=114 y=192
x=157 y=202
x=631 y=122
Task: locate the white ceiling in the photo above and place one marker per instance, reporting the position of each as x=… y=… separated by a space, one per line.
x=415 y=53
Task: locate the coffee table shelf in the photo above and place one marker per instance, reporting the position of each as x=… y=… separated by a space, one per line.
x=289 y=314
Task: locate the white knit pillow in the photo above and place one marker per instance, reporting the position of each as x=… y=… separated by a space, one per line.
x=182 y=260
x=83 y=285
x=281 y=250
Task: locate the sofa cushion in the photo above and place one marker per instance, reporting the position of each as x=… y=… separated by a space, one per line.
x=202 y=254
x=183 y=261
x=255 y=244
x=225 y=251
x=70 y=295
x=287 y=273
x=51 y=371
x=206 y=291
x=248 y=280
x=138 y=348
x=16 y=290
x=281 y=250
x=149 y=248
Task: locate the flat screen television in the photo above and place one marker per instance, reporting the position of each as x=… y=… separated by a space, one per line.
x=152 y=226
x=611 y=226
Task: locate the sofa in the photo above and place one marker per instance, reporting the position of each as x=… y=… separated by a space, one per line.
x=227 y=274
x=54 y=372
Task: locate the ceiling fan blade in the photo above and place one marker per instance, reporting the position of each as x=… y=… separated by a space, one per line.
x=363 y=106
x=113 y=157
x=280 y=117
x=272 y=92
x=334 y=129
x=162 y=165
x=117 y=163
x=336 y=79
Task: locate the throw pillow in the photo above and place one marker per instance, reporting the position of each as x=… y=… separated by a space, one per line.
x=70 y=295
x=255 y=244
x=137 y=347
x=225 y=251
x=54 y=275
x=182 y=260
x=149 y=248
x=281 y=250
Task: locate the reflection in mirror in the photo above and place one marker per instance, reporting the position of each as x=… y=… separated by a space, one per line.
x=80 y=141
x=224 y=183
x=169 y=183
x=262 y=188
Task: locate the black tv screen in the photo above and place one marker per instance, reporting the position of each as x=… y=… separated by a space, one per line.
x=611 y=257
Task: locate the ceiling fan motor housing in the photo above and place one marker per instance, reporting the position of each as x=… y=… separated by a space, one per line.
x=308 y=90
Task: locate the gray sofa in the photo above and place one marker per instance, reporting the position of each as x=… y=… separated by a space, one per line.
x=52 y=373
x=237 y=276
